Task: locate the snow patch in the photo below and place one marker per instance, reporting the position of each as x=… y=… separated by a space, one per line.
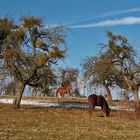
x=60 y=104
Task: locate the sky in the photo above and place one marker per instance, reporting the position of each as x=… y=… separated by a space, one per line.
x=87 y=21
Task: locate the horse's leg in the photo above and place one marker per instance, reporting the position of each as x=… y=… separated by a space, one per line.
x=91 y=108
x=58 y=95
x=70 y=96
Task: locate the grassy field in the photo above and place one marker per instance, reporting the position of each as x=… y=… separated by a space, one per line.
x=53 y=123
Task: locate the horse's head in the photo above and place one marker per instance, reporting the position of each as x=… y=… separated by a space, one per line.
x=108 y=110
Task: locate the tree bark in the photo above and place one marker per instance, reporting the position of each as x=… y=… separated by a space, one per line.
x=136 y=96
x=108 y=93
x=134 y=88
x=19 y=92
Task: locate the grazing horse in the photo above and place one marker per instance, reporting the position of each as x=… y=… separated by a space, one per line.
x=63 y=90
x=98 y=100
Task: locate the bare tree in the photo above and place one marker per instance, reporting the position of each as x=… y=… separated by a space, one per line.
x=30 y=51
x=122 y=55
x=100 y=71
x=69 y=76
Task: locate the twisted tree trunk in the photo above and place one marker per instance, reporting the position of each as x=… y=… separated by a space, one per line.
x=20 y=86
x=134 y=89
x=136 y=96
x=108 y=93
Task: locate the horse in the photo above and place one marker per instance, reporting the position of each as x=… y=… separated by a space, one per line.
x=63 y=90
x=98 y=100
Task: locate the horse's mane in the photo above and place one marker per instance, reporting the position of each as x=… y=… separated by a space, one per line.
x=105 y=104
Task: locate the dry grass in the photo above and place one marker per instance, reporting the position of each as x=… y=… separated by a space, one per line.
x=42 y=123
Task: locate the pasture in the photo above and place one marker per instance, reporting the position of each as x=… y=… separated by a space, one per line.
x=55 y=123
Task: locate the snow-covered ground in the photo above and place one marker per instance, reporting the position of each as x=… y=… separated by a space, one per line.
x=61 y=104
x=28 y=102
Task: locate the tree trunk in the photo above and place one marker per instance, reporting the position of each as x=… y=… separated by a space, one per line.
x=136 y=96
x=108 y=93
x=134 y=88
x=19 y=92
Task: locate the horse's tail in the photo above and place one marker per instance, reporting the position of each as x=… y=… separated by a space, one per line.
x=56 y=94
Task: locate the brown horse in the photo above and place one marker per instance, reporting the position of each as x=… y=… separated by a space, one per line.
x=98 y=100
x=63 y=90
